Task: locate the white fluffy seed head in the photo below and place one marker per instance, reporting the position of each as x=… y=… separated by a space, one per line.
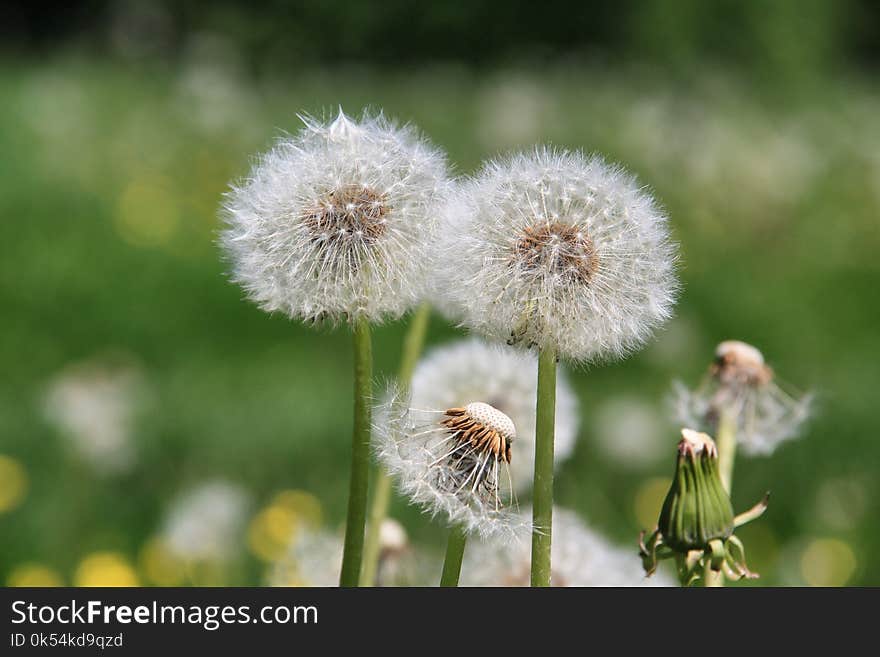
x=580 y=557
x=740 y=385
x=451 y=463
x=206 y=522
x=556 y=249
x=505 y=378
x=337 y=221
x=95 y=405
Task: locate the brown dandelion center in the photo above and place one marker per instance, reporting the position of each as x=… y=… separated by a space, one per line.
x=353 y=212
x=478 y=436
x=558 y=248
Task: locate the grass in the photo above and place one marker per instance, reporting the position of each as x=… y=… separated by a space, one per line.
x=111 y=178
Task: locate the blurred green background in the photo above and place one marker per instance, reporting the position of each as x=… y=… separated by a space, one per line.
x=121 y=125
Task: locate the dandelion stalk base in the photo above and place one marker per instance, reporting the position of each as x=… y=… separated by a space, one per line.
x=360 y=455
x=413 y=343
x=454 y=554
x=543 y=491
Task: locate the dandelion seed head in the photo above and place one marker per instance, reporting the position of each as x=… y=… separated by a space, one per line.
x=506 y=378
x=337 y=221
x=557 y=249
x=453 y=463
x=580 y=557
x=740 y=384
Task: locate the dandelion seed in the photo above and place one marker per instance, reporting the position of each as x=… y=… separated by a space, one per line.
x=557 y=250
x=453 y=462
x=506 y=379
x=741 y=385
x=338 y=221
x=581 y=557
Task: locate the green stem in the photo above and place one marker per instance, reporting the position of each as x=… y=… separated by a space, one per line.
x=542 y=514
x=454 y=554
x=360 y=454
x=412 y=349
x=725 y=440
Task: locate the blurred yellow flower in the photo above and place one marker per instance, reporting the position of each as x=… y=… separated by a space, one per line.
x=33 y=574
x=105 y=569
x=159 y=566
x=13 y=483
x=274 y=527
x=827 y=562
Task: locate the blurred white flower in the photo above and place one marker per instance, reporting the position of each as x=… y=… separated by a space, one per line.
x=630 y=431
x=741 y=384
x=314 y=559
x=94 y=405
x=453 y=463
x=556 y=249
x=471 y=370
x=338 y=221
x=206 y=523
x=580 y=557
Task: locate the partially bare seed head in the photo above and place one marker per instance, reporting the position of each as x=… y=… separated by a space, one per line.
x=738 y=363
x=480 y=429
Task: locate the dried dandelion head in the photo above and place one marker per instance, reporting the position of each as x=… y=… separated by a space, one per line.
x=556 y=249
x=741 y=385
x=337 y=221
x=505 y=378
x=452 y=462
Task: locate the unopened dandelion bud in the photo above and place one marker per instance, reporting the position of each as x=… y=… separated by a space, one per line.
x=697 y=510
x=697 y=522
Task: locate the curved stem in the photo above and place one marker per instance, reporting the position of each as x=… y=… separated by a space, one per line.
x=412 y=349
x=454 y=554
x=360 y=455
x=542 y=504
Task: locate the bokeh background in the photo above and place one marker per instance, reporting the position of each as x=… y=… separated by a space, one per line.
x=140 y=390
